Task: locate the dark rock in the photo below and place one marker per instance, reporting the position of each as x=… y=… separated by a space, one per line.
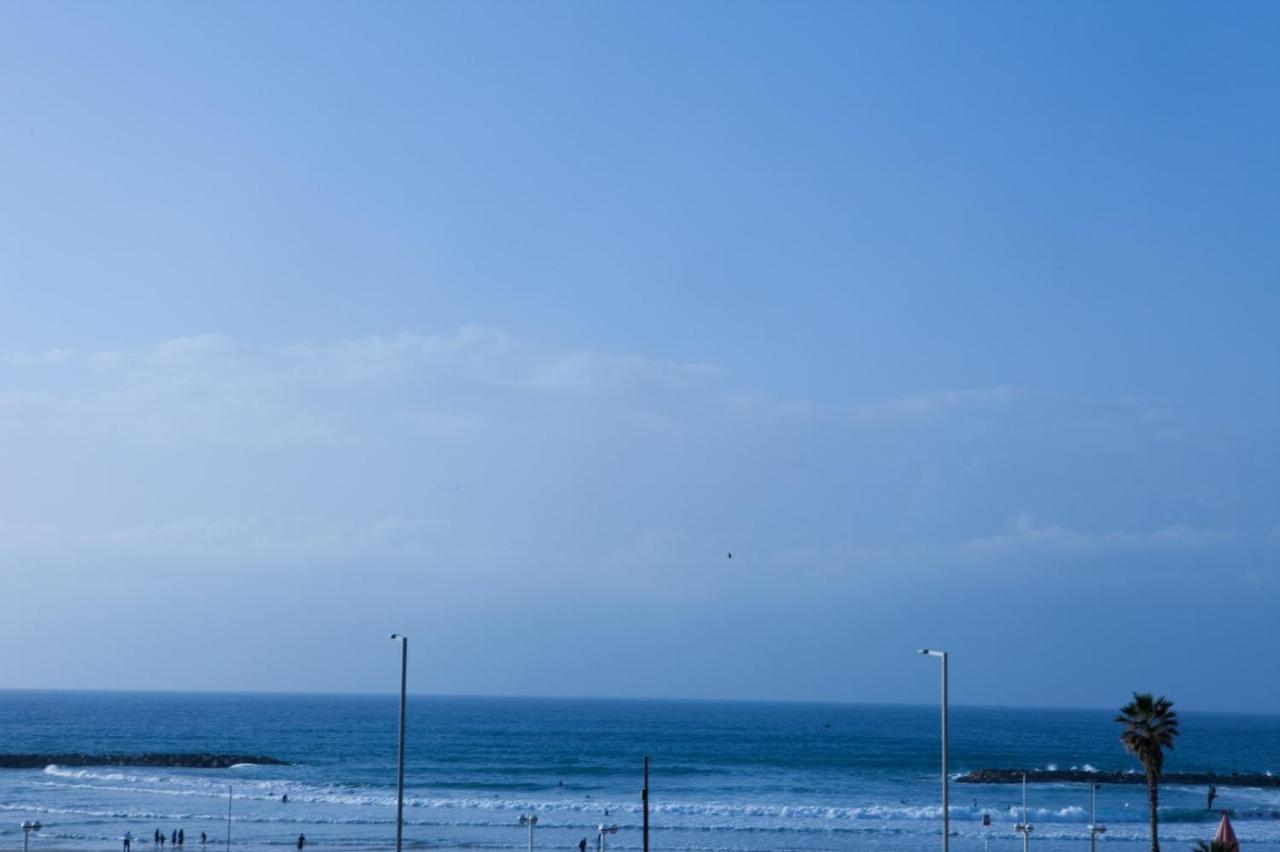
x=1084 y=776
x=197 y=761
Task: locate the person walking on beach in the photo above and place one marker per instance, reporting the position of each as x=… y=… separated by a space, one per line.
x=158 y=838
x=204 y=838
x=128 y=841
x=174 y=839
x=1213 y=794
x=302 y=841
x=182 y=837
x=582 y=845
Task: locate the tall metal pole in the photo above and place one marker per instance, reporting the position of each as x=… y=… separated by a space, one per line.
x=946 y=780
x=1024 y=828
x=228 y=818
x=946 y=789
x=1094 y=828
x=404 y=680
x=644 y=798
x=1093 y=816
x=1026 y=834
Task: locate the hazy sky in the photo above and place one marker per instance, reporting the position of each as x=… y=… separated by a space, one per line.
x=500 y=325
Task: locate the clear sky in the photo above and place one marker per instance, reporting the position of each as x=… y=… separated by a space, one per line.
x=501 y=325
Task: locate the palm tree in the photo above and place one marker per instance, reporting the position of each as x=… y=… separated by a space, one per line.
x=1211 y=846
x=1150 y=726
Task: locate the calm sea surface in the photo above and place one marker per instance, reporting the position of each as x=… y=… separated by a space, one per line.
x=724 y=776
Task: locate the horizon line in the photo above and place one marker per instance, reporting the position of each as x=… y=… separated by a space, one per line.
x=615 y=698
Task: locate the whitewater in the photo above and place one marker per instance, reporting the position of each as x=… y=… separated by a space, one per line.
x=725 y=775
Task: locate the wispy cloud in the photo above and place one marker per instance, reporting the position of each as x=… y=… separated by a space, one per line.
x=1028 y=538
x=476 y=442
x=214 y=389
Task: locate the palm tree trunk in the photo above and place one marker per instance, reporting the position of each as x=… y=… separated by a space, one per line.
x=1153 y=801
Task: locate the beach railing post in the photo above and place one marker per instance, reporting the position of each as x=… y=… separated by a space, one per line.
x=229 y=790
x=404 y=680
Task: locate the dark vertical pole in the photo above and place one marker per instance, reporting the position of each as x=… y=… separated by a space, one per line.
x=644 y=796
x=404 y=678
x=946 y=790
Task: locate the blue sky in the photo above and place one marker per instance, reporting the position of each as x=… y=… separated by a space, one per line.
x=500 y=325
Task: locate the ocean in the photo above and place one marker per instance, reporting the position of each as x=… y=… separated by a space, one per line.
x=724 y=775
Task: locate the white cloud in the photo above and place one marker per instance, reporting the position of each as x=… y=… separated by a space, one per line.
x=1028 y=538
x=478 y=443
x=201 y=539
x=918 y=406
x=213 y=389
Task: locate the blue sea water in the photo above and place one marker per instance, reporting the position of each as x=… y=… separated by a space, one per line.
x=724 y=775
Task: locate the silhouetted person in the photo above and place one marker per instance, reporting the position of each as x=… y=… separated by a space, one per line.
x=128 y=840
x=1213 y=794
x=582 y=845
x=182 y=837
x=174 y=839
x=160 y=835
x=204 y=838
x=302 y=841
x=157 y=838
x=284 y=800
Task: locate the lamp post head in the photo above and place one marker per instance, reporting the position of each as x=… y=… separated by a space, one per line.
x=932 y=653
x=398 y=636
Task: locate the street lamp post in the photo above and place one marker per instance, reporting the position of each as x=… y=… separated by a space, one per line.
x=946 y=790
x=603 y=830
x=1094 y=828
x=404 y=679
x=530 y=821
x=27 y=827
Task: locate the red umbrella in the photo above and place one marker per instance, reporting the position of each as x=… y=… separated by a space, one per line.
x=1226 y=836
